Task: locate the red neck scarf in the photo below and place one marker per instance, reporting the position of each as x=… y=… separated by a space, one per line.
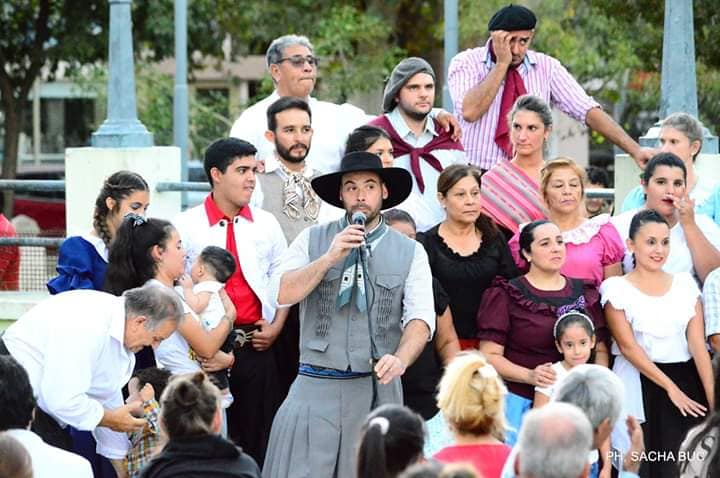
x=400 y=147
x=514 y=88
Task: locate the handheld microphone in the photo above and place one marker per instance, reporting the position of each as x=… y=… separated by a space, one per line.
x=360 y=218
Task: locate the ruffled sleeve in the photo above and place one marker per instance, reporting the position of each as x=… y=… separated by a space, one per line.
x=611 y=290
x=76 y=267
x=493 y=318
x=613 y=247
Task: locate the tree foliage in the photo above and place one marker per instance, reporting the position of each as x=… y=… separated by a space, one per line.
x=614 y=48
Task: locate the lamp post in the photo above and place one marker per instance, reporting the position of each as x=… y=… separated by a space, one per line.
x=121 y=129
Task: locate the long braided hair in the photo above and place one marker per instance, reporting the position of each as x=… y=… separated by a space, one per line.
x=118 y=186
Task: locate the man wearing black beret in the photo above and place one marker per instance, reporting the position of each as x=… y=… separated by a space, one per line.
x=485 y=82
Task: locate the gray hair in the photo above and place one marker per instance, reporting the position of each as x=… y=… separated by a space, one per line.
x=687 y=124
x=156 y=302
x=277 y=47
x=595 y=390
x=533 y=104
x=554 y=442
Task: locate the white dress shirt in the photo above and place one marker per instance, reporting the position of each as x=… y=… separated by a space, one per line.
x=417 y=292
x=424 y=207
x=331 y=126
x=71 y=346
x=260 y=243
x=49 y=461
x=679 y=259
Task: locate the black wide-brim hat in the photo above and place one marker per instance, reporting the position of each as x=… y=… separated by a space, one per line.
x=398 y=181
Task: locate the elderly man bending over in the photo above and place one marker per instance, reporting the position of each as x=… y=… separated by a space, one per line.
x=78 y=350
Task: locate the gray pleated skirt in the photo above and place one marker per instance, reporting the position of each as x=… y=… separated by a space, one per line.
x=316 y=431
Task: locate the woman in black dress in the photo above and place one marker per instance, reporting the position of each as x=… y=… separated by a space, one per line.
x=466 y=250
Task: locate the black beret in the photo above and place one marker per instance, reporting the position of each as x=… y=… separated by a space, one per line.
x=512 y=18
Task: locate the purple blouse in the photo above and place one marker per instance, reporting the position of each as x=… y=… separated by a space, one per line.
x=520 y=317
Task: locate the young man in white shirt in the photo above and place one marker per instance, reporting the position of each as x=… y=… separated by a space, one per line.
x=256 y=241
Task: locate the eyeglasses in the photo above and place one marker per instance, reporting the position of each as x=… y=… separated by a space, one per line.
x=298 y=61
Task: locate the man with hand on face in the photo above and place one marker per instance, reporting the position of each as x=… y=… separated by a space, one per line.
x=256 y=241
x=366 y=312
x=293 y=66
x=78 y=349
x=420 y=145
x=485 y=82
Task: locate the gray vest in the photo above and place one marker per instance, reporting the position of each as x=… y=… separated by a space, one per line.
x=340 y=339
x=272 y=187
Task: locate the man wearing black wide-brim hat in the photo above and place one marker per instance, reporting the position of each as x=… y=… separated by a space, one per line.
x=366 y=312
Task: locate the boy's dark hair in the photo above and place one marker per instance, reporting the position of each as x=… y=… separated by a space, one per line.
x=224 y=151
x=220 y=262
x=283 y=104
x=17 y=401
x=157 y=377
x=596 y=175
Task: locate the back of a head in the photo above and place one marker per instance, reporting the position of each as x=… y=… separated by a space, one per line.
x=596 y=390
x=17 y=401
x=220 y=261
x=434 y=469
x=130 y=259
x=554 y=442
x=188 y=406
x=15 y=461
x=392 y=438
x=471 y=396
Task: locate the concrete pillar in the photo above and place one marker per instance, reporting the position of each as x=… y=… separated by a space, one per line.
x=121 y=129
x=87 y=168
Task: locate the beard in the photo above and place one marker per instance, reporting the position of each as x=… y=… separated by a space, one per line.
x=285 y=153
x=413 y=113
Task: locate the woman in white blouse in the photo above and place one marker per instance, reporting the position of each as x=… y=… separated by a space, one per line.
x=695 y=238
x=147 y=250
x=660 y=354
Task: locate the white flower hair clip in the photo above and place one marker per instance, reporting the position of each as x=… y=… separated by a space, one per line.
x=382 y=422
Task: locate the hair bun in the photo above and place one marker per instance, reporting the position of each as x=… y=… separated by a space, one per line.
x=187 y=394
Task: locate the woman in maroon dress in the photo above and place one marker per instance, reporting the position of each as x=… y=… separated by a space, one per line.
x=516 y=318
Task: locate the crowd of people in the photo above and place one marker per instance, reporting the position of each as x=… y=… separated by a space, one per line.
x=411 y=295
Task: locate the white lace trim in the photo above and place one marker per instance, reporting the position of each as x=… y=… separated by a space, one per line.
x=587 y=230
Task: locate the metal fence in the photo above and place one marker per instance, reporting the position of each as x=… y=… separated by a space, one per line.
x=39 y=253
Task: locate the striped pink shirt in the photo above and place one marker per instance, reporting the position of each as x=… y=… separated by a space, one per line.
x=510 y=197
x=543 y=76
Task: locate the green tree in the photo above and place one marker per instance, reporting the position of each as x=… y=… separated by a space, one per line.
x=37 y=35
x=613 y=48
